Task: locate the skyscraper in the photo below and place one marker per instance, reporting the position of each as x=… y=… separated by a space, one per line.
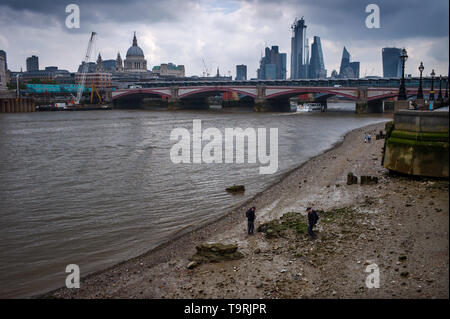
x=272 y=65
x=299 y=50
x=241 y=72
x=316 y=65
x=32 y=63
x=345 y=61
x=392 y=65
x=3 y=54
x=355 y=68
x=2 y=73
x=348 y=69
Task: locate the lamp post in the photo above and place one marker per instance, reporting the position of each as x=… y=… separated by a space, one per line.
x=446 y=90
x=446 y=93
x=420 y=91
x=402 y=90
x=431 y=97
x=440 y=89
x=17 y=86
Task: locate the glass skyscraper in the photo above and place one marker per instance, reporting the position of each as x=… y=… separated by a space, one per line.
x=392 y=65
x=299 y=50
x=316 y=65
x=348 y=69
x=241 y=72
x=272 y=65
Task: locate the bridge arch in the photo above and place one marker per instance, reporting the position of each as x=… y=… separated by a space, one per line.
x=141 y=91
x=209 y=91
x=350 y=93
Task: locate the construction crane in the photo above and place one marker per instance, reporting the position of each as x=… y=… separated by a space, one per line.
x=93 y=88
x=87 y=57
x=205 y=69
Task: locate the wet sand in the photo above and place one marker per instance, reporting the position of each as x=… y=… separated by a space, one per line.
x=400 y=224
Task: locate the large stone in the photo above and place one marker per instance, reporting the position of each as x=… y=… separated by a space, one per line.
x=236 y=189
x=216 y=252
x=351 y=179
x=369 y=180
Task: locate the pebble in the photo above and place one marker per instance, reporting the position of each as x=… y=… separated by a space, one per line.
x=192 y=265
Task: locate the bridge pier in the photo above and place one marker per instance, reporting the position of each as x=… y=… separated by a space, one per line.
x=262 y=105
x=364 y=106
x=174 y=104
x=271 y=105
x=238 y=103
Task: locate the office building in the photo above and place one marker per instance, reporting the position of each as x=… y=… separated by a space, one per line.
x=299 y=50
x=32 y=63
x=241 y=72
x=355 y=67
x=99 y=80
x=316 y=64
x=392 y=64
x=348 y=70
x=272 y=65
x=168 y=70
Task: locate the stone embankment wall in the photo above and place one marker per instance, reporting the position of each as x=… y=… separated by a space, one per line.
x=12 y=105
x=418 y=144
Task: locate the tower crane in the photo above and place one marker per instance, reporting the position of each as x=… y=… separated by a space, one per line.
x=87 y=57
x=205 y=69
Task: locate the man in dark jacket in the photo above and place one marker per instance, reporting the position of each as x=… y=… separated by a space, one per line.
x=313 y=217
x=250 y=214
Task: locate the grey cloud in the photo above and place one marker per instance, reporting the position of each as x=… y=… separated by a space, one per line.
x=101 y=11
x=342 y=22
x=399 y=19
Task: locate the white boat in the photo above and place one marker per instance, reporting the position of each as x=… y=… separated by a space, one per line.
x=293 y=106
x=310 y=107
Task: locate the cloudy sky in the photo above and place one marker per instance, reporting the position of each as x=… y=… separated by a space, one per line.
x=224 y=33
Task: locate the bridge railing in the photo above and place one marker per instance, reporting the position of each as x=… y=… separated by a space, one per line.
x=412 y=82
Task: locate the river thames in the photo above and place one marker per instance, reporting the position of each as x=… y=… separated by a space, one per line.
x=96 y=188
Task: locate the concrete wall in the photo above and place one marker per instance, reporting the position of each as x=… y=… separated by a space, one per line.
x=419 y=144
x=17 y=105
x=421 y=121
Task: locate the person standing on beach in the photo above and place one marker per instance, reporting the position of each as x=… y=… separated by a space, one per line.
x=369 y=138
x=250 y=214
x=365 y=139
x=313 y=217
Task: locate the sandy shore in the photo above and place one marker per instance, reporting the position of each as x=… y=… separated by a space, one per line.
x=400 y=224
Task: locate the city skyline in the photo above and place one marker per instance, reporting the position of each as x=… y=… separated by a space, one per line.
x=219 y=32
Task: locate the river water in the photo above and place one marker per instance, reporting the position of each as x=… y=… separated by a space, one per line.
x=95 y=188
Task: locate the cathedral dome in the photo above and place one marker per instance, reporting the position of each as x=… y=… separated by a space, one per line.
x=134 y=50
x=135 y=60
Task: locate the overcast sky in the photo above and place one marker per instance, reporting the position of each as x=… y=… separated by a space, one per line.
x=224 y=33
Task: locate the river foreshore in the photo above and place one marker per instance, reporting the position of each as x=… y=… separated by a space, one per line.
x=401 y=224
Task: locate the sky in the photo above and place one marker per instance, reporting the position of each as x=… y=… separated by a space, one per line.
x=224 y=33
